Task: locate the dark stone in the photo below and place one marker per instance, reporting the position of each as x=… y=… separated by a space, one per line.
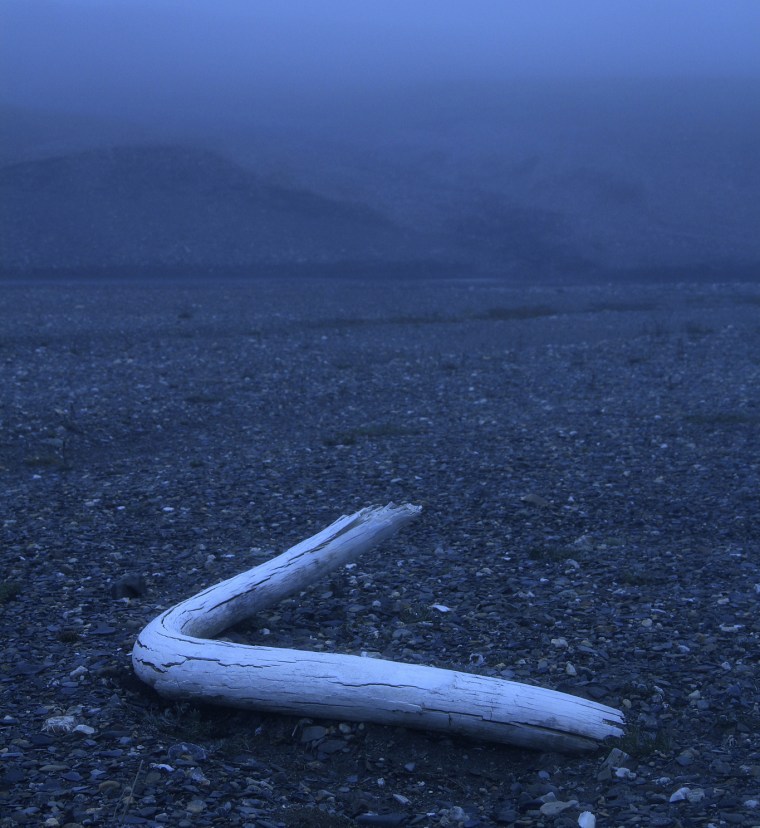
x=25 y=668
x=685 y=759
x=12 y=776
x=130 y=585
x=721 y=767
x=505 y=815
x=114 y=734
x=732 y=819
x=313 y=733
x=103 y=629
x=331 y=746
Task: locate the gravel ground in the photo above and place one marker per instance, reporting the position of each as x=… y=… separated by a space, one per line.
x=588 y=464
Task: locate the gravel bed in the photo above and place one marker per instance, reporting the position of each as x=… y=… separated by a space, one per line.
x=588 y=463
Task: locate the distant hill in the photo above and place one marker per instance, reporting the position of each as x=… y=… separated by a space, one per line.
x=583 y=175
x=173 y=206
x=528 y=179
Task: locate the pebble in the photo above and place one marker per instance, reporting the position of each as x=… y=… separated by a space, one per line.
x=187 y=751
x=197 y=776
x=559 y=642
x=552 y=809
x=505 y=815
x=685 y=758
x=453 y=817
x=382 y=820
x=681 y=795
x=130 y=585
x=313 y=733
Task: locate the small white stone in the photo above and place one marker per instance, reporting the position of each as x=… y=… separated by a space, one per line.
x=84 y=729
x=570 y=669
x=680 y=795
x=559 y=642
x=552 y=809
x=587 y=820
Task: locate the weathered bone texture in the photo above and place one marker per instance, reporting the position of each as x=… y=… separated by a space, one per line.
x=176 y=655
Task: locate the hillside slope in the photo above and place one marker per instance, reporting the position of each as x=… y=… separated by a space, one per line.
x=532 y=180
x=173 y=206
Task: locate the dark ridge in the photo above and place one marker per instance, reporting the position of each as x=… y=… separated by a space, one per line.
x=175 y=207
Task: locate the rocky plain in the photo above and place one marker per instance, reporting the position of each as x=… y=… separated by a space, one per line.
x=588 y=463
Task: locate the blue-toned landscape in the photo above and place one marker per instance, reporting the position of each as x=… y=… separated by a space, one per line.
x=262 y=265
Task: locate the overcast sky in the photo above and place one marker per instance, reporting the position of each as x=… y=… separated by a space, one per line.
x=136 y=58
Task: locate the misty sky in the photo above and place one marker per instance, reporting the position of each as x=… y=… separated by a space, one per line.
x=140 y=59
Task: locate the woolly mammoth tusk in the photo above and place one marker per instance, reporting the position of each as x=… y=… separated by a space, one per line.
x=176 y=654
